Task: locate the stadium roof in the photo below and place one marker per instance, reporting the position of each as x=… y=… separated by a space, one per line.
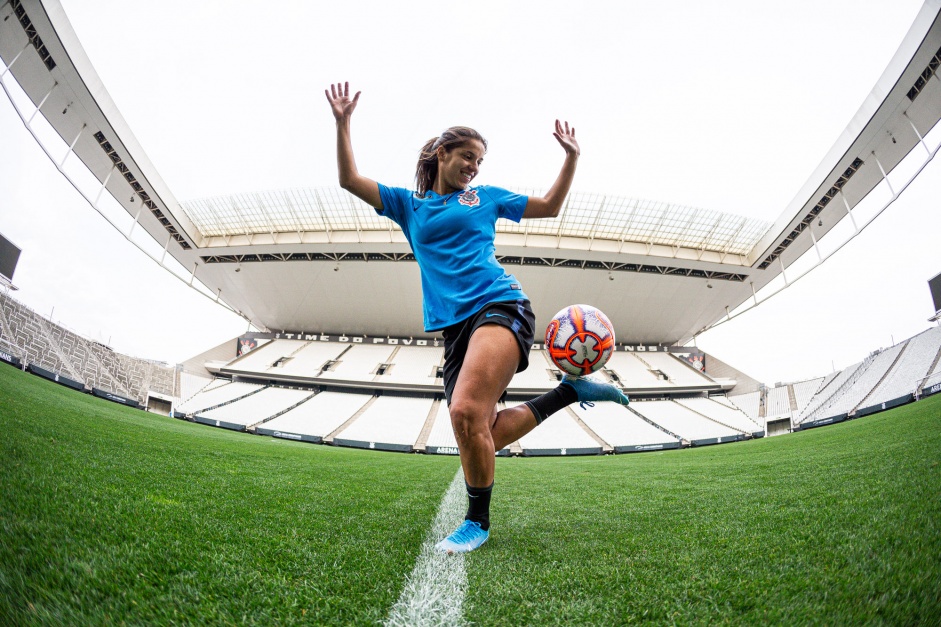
x=307 y=260
x=591 y=216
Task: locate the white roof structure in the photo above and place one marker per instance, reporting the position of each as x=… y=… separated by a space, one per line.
x=318 y=260
x=588 y=216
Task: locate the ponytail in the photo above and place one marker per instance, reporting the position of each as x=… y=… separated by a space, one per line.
x=427 y=170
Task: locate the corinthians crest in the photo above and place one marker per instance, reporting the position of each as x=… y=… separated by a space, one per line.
x=469 y=198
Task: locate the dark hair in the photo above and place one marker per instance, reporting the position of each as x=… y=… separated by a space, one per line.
x=427 y=169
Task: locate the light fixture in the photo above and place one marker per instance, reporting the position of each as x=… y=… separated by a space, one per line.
x=819 y=222
x=132 y=197
x=708 y=284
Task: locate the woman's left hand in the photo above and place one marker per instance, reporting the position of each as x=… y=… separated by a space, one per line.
x=566 y=137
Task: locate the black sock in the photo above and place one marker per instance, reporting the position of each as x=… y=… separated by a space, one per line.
x=478 y=505
x=551 y=402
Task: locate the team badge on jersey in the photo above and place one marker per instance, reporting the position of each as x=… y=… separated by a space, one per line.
x=469 y=198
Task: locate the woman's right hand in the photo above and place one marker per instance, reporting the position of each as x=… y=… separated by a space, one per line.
x=340 y=102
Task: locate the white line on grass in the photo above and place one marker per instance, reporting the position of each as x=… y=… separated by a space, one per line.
x=434 y=592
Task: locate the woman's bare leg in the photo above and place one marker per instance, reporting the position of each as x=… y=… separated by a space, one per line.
x=491 y=360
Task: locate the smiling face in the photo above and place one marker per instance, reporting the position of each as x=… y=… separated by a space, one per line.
x=458 y=166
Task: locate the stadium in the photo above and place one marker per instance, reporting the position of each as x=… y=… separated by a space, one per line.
x=163 y=519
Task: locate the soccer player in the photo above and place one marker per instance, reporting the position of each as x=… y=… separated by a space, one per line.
x=483 y=313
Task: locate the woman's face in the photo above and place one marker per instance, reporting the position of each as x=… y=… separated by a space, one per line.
x=458 y=167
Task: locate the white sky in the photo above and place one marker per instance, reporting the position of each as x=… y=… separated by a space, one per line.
x=727 y=106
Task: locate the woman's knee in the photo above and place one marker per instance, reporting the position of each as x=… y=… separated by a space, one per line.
x=469 y=420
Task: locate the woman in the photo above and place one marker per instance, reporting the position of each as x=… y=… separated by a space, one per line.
x=481 y=310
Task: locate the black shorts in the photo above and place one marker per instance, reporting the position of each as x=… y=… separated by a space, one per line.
x=516 y=315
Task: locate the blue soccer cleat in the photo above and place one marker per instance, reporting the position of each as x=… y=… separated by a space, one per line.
x=589 y=392
x=465 y=538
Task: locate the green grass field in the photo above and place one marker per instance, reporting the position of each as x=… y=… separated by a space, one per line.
x=114 y=516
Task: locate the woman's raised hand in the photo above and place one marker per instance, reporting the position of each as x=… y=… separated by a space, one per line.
x=340 y=102
x=565 y=137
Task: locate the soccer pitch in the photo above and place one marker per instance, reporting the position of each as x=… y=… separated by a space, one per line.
x=110 y=515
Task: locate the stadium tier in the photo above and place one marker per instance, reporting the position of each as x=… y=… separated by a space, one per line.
x=391 y=423
x=440 y=437
x=687 y=424
x=315 y=419
x=722 y=414
x=869 y=376
x=624 y=430
x=542 y=375
x=560 y=434
x=217 y=395
x=751 y=404
x=913 y=367
x=389 y=396
x=889 y=377
x=804 y=392
x=777 y=403
x=48 y=346
x=254 y=409
x=417 y=368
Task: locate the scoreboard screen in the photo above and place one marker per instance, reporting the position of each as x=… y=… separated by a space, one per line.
x=935 y=286
x=9 y=255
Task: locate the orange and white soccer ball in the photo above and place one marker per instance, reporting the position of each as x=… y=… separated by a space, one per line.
x=580 y=339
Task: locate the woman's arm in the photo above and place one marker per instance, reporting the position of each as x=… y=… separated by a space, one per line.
x=549 y=205
x=350 y=179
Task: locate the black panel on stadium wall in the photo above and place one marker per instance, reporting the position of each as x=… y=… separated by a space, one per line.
x=9 y=256
x=935 y=286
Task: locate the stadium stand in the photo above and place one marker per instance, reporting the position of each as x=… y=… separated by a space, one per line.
x=390 y=423
x=542 y=375
x=54 y=348
x=929 y=385
x=936 y=369
x=777 y=403
x=420 y=422
x=724 y=400
x=267 y=357
x=876 y=368
x=912 y=367
x=687 y=424
x=723 y=414
x=315 y=419
x=804 y=391
x=656 y=371
x=309 y=360
x=192 y=384
x=623 y=430
x=215 y=395
x=750 y=404
x=441 y=438
x=832 y=389
x=254 y=408
x=359 y=362
x=559 y=434
x=678 y=371
x=413 y=364
x=633 y=371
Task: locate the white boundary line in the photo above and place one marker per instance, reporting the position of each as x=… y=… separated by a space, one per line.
x=434 y=592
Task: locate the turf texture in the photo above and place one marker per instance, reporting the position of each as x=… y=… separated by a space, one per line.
x=114 y=516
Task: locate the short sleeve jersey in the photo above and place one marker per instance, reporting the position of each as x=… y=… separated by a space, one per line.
x=452 y=238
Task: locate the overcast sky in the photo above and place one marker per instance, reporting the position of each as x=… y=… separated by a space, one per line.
x=726 y=106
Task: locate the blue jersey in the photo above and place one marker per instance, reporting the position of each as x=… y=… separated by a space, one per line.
x=452 y=238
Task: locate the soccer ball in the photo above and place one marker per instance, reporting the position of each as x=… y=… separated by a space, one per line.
x=580 y=339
